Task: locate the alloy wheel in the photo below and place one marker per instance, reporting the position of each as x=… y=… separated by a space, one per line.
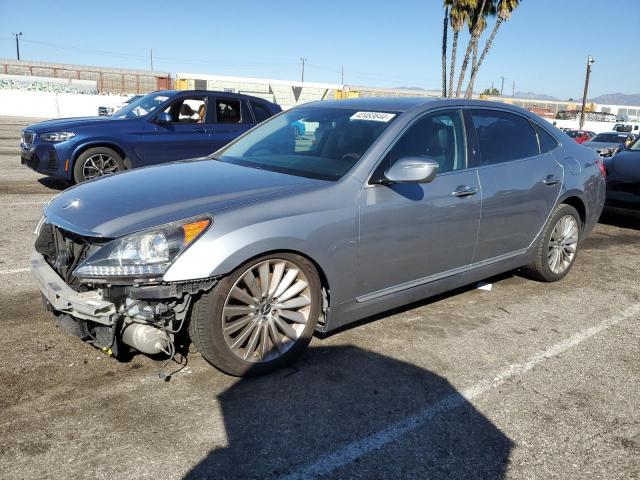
x=562 y=244
x=98 y=165
x=266 y=310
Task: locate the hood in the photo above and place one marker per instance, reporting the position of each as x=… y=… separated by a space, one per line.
x=147 y=197
x=62 y=124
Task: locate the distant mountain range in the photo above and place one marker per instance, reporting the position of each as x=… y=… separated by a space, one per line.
x=618 y=99
x=606 y=99
x=534 y=96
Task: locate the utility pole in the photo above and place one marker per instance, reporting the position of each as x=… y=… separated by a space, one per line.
x=19 y=34
x=513 y=91
x=342 y=75
x=302 y=60
x=502 y=87
x=152 y=59
x=590 y=61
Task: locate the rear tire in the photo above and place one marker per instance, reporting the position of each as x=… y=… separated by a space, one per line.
x=96 y=162
x=244 y=329
x=557 y=247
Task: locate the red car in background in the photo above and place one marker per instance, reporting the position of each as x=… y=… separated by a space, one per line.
x=580 y=136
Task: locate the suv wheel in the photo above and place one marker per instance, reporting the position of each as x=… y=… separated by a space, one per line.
x=96 y=162
x=557 y=246
x=260 y=317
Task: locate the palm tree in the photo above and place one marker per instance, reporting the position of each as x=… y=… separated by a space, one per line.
x=445 y=30
x=458 y=16
x=504 y=11
x=476 y=26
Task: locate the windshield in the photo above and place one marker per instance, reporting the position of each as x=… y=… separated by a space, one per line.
x=142 y=106
x=636 y=145
x=610 y=138
x=321 y=143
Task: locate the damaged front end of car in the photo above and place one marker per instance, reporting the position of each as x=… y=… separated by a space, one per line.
x=111 y=293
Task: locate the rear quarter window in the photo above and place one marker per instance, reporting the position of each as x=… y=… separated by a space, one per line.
x=546 y=140
x=260 y=111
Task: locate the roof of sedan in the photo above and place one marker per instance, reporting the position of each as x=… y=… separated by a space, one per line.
x=403 y=104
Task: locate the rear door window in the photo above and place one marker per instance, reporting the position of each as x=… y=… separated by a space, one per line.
x=228 y=111
x=503 y=136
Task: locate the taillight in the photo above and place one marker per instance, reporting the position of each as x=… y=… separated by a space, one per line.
x=601 y=166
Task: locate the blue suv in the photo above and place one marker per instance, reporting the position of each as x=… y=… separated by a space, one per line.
x=159 y=127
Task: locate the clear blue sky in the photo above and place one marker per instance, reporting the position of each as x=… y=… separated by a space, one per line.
x=543 y=48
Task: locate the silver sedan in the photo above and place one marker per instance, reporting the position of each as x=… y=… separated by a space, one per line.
x=379 y=203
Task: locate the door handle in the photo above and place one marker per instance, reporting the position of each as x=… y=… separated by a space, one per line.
x=464 y=191
x=199 y=130
x=551 y=180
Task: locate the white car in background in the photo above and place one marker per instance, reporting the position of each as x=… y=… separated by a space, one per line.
x=104 y=111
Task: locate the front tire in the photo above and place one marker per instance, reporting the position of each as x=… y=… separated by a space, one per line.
x=260 y=317
x=96 y=162
x=557 y=246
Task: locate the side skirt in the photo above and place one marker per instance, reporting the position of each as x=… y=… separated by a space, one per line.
x=372 y=304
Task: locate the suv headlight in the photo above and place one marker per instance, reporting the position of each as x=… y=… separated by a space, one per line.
x=142 y=254
x=57 y=136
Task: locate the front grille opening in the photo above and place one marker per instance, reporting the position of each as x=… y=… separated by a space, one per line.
x=65 y=250
x=28 y=137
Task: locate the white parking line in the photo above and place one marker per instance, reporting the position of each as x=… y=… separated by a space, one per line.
x=15 y=270
x=21 y=203
x=349 y=453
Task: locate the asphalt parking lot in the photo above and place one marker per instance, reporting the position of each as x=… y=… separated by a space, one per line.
x=527 y=380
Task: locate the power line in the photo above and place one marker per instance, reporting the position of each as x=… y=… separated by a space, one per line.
x=151 y=59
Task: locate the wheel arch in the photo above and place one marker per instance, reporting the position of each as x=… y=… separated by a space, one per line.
x=105 y=144
x=324 y=279
x=578 y=203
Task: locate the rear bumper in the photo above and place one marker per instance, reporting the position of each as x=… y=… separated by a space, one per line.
x=85 y=305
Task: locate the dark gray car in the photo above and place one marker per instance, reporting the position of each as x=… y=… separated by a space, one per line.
x=608 y=143
x=623 y=178
x=381 y=202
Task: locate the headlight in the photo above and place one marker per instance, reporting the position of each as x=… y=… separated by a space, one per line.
x=143 y=254
x=57 y=136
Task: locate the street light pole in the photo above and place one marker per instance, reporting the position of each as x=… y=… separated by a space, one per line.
x=502 y=86
x=17 y=35
x=590 y=61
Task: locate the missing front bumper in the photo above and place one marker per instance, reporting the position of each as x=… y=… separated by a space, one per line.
x=85 y=305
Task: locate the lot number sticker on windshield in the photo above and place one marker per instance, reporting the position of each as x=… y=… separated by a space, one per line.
x=374 y=116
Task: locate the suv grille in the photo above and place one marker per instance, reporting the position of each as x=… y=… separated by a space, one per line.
x=27 y=138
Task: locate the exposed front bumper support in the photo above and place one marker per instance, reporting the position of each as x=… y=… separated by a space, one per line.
x=86 y=305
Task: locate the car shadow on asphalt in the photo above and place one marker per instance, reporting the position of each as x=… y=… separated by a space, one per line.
x=350 y=412
x=617 y=217
x=54 y=183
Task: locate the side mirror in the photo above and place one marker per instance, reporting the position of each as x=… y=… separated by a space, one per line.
x=163 y=118
x=412 y=170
